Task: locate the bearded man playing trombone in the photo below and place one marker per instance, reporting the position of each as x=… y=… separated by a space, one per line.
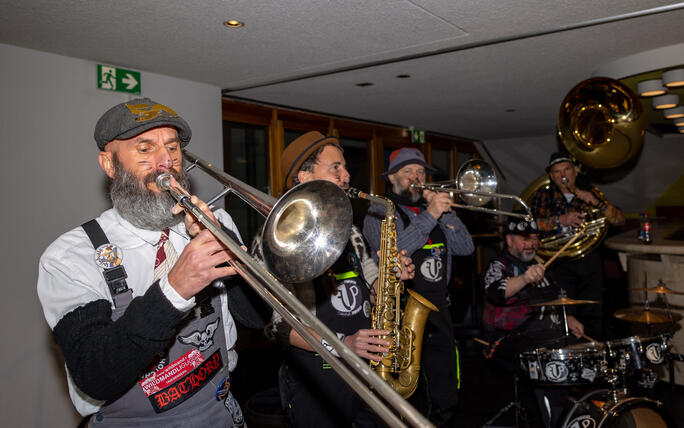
x=561 y=206
x=431 y=233
x=147 y=341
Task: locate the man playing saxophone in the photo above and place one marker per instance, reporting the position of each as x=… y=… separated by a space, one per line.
x=430 y=233
x=312 y=393
x=564 y=205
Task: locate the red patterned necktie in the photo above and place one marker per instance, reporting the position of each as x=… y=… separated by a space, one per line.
x=166 y=256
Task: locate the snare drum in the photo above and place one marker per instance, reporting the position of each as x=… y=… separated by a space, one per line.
x=633 y=412
x=636 y=353
x=577 y=364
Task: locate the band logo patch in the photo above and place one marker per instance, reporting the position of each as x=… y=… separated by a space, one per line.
x=166 y=376
x=108 y=256
x=202 y=340
x=188 y=385
x=145 y=111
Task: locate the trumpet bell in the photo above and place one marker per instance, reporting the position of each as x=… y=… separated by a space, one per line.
x=306 y=231
x=476 y=176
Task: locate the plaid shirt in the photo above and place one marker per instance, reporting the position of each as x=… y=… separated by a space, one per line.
x=549 y=203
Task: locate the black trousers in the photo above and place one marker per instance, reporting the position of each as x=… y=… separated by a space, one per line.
x=315 y=396
x=583 y=279
x=437 y=393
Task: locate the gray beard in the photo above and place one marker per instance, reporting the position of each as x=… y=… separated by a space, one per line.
x=406 y=193
x=140 y=206
x=522 y=256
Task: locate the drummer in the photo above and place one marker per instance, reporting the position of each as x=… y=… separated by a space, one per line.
x=513 y=282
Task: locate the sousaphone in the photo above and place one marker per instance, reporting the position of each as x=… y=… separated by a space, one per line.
x=601 y=124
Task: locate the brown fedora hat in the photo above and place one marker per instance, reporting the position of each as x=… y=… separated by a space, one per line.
x=299 y=150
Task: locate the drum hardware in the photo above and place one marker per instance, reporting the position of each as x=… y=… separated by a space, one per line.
x=563 y=301
x=603 y=408
x=577 y=364
x=661 y=288
x=647 y=316
x=516 y=404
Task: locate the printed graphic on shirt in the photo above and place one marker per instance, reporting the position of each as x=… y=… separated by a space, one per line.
x=235 y=410
x=188 y=385
x=366 y=309
x=108 y=256
x=164 y=377
x=494 y=273
x=348 y=299
x=431 y=269
x=202 y=340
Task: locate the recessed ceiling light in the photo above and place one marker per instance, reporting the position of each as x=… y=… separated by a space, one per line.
x=234 y=24
x=364 y=84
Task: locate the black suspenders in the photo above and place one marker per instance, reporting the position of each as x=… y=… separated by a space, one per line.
x=116 y=276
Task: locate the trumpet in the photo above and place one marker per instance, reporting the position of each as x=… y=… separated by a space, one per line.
x=475 y=184
x=301 y=218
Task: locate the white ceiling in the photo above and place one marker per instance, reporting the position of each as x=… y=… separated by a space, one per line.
x=481 y=69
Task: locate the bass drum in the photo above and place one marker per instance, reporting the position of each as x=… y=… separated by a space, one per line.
x=629 y=412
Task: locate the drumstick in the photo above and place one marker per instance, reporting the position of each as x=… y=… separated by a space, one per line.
x=539 y=259
x=588 y=338
x=481 y=341
x=567 y=244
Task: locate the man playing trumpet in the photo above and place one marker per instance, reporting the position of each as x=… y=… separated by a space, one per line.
x=563 y=205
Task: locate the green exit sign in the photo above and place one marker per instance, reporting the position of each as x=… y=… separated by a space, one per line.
x=118 y=79
x=417 y=136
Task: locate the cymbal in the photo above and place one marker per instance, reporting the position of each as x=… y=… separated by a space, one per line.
x=563 y=301
x=646 y=316
x=661 y=289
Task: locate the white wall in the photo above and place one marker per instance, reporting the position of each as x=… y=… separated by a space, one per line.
x=51 y=183
x=658 y=166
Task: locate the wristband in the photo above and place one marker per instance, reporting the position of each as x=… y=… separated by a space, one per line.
x=329 y=347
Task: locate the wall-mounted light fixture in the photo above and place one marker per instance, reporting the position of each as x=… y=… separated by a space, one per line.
x=679 y=122
x=674 y=78
x=665 y=101
x=650 y=88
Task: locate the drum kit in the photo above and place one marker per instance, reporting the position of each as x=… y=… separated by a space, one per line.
x=620 y=364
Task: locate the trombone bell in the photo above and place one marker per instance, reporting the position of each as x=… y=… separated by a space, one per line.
x=306 y=229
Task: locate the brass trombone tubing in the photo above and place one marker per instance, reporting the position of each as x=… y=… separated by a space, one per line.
x=440 y=187
x=299 y=317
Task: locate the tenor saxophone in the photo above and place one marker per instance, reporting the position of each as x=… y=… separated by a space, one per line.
x=400 y=366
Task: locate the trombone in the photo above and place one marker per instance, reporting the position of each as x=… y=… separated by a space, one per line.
x=296 y=223
x=475 y=184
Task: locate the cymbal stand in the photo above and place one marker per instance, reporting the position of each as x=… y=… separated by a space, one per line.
x=561 y=295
